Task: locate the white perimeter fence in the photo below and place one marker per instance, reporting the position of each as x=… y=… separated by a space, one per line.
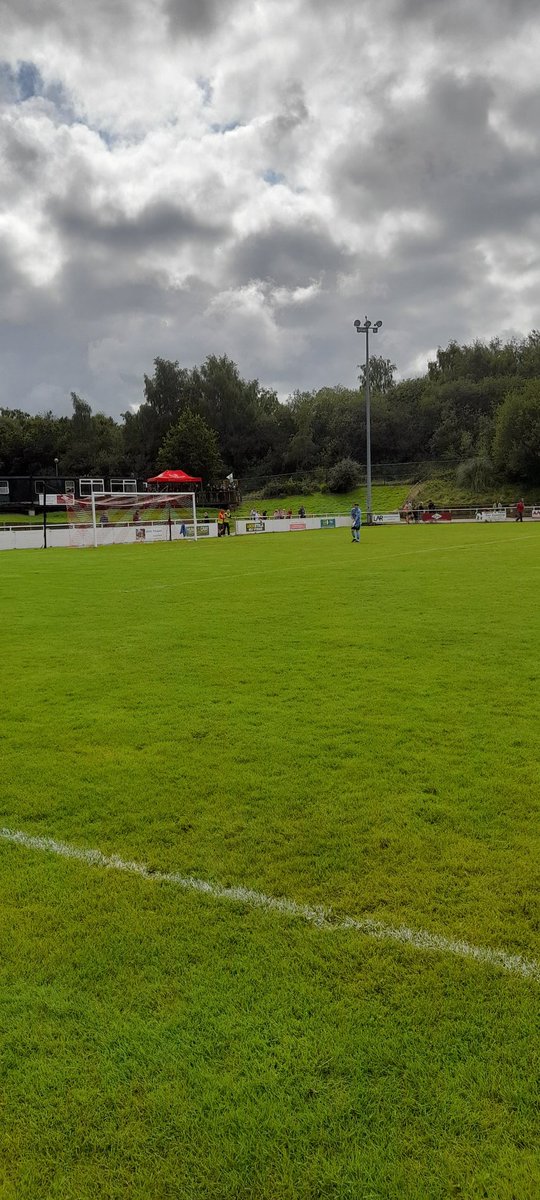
x=24 y=537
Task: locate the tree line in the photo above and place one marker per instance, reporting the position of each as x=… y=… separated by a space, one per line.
x=478 y=405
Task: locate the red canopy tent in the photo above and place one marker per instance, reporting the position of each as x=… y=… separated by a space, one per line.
x=174 y=477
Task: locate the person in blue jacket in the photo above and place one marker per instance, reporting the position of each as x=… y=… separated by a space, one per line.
x=356 y=521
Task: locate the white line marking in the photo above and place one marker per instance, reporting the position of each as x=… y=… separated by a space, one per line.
x=321 y=917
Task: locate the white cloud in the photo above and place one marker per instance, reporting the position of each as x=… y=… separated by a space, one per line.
x=184 y=177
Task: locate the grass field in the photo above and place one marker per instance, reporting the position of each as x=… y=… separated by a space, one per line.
x=352 y=727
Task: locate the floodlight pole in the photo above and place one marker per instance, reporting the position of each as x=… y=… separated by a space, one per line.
x=365 y=328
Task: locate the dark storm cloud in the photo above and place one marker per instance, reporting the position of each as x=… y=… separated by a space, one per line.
x=23 y=157
x=73 y=19
x=294 y=111
x=290 y=257
x=441 y=156
x=159 y=224
x=196 y=17
x=488 y=19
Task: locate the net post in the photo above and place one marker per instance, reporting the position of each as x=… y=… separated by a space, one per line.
x=44 y=515
x=194 y=515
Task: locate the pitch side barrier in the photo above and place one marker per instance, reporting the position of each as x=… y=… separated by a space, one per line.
x=21 y=537
x=30 y=537
x=436 y=516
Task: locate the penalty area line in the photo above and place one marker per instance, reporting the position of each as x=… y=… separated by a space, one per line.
x=319 y=916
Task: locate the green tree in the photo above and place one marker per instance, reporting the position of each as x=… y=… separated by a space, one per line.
x=191 y=446
x=381 y=374
x=516 y=445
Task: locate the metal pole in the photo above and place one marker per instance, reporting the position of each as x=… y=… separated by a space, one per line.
x=44 y=515
x=368 y=434
x=94 y=526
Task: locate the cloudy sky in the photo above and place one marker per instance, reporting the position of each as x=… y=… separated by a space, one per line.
x=246 y=177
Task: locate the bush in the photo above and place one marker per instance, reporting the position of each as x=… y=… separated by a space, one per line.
x=345 y=475
x=276 y=488
x=476 y=474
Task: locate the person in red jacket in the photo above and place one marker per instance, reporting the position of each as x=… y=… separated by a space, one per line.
x=519 y=510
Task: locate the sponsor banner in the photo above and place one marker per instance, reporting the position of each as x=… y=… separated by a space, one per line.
x=282 y=525
x=392 y=518
x=157 y=533
x=444 y=515
x=492 y=514
x=186 y=530
x=56 y=500
x=535 y=514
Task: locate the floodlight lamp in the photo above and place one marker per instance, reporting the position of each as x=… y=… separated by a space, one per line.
x=377 y=324
x=367 y=324
x=358 y=326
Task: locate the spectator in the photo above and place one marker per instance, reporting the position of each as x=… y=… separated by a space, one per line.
x=519 y=510
x=136 y=517
x=227 y=522
x=221 y=523
x=104 y=520
x=264 y=514
x=289 y=514
x=301 y=511
x=431 y=506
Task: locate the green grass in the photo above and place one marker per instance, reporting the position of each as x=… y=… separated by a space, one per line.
x=445 y=491
x=385 y=498
x=352 y=726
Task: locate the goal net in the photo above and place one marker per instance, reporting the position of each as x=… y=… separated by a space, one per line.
x=109 y=518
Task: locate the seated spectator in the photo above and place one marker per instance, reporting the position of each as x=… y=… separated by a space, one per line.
x=136 y=517
x=289 y=514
